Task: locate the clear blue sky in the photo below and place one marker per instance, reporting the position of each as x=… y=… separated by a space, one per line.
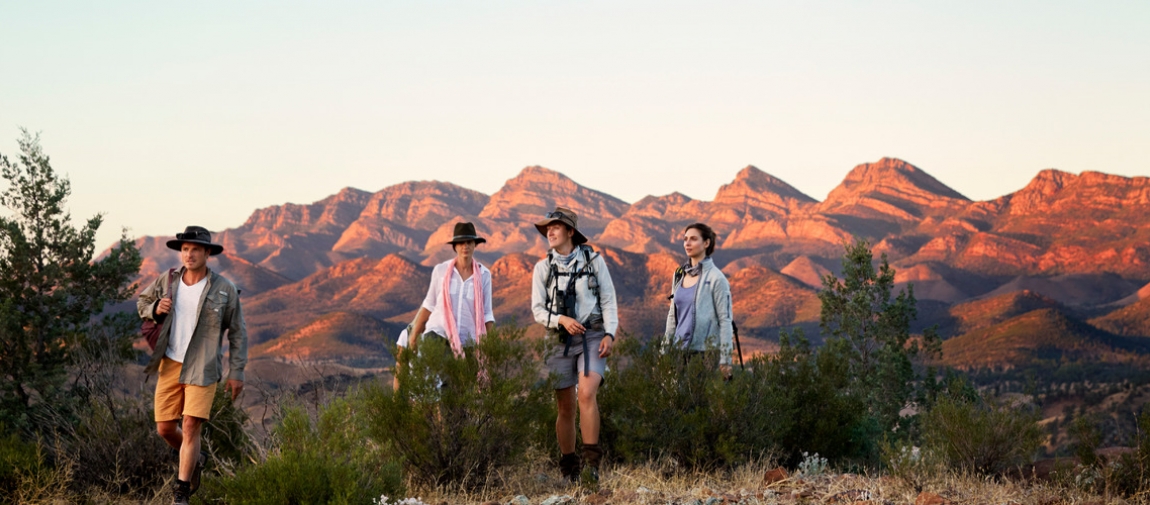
x=261 y=103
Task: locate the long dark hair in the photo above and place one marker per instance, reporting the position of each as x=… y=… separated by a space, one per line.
x=707 y=233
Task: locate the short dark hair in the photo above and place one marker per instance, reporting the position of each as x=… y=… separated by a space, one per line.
x=707 y=233
x=453 y=244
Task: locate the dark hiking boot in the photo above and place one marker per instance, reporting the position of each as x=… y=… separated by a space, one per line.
x=194 y=483
x=181 y=492
x=569 y=466
x=589 y=478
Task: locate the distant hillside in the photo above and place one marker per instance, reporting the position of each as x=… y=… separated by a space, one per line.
x=1040 y=336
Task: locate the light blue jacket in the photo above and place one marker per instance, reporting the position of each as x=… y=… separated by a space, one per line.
x=712 y=313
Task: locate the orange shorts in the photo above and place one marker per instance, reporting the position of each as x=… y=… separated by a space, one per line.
x=175 y=400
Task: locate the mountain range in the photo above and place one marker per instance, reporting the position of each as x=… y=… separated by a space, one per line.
x=1056 y=270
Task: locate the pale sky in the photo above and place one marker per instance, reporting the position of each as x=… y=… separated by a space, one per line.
x=172 y=113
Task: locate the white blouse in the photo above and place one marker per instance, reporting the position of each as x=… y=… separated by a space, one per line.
x=462 y=302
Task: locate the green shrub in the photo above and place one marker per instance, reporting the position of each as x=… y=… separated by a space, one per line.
x=1131 y=473
x=26 y=474
x=986 y=436
x=224 y=436
x=458 y=433
x=664 y=405
x=116 y=449
x=329 y=460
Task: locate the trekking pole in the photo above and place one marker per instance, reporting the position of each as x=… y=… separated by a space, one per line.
x=739 y=348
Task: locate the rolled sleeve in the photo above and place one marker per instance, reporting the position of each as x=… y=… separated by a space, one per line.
x=539 y=297
x=488 y=315
x=146 y=304
x=434 y=288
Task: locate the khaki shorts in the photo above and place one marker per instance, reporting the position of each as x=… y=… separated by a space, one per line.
x=567 y=363
x=175 y=400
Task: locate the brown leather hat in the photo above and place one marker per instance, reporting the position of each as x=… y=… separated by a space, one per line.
x=565 y=216
x=464 y=232
x=196 y=235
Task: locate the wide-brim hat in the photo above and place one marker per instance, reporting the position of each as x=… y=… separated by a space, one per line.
x=465 y=232
x=565 y=216
x=196 y=235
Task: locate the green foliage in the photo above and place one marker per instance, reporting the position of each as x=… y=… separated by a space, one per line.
x=26 y=472
x=490 y=408
x=985 y=436
x=1086 y=439
x=1130 y=475
x=224 y=436
x=861 y=320
x=326 y=460
x=824 y=416
x=50 y=289
x=666 y=403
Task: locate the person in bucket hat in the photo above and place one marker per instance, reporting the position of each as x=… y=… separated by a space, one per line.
x=573 y=297
x=195 y=308
x=457 y=307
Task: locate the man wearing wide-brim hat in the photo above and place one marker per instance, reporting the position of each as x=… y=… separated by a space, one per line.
x=195 y=308
x=573 y=297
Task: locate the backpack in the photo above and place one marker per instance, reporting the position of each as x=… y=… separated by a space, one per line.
x=567 y=295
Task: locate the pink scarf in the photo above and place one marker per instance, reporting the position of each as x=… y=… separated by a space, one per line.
x=477 y=312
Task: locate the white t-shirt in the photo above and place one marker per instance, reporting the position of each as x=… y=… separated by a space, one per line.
x=184 y=324
x=462 y=301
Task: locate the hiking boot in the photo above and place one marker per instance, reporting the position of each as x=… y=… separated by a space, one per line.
x=181 y=492
x=194 y=483
x=589 y=478
x=569 y=466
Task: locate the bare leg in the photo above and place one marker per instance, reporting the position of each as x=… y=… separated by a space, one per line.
x=170 y=432
x=588 y=408
x=565 y=422
x=190 y=450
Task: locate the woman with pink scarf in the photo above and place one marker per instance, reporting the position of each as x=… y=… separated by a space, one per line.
x=457 y=307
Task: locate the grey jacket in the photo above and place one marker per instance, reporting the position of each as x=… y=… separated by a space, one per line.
x=712 y=313
x=218 y=312
x=545 y=309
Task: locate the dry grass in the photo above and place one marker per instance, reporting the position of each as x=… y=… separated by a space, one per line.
x=660 y=483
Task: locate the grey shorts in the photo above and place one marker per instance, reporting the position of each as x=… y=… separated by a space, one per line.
x=568 y=368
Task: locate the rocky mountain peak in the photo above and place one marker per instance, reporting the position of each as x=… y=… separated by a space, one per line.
x=891 y=190
x=537 y=190
x=892 y=175
x=757 y=188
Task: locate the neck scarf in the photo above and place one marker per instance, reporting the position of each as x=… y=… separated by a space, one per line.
x=566 y=259
x=477 y=311
x=693 y=270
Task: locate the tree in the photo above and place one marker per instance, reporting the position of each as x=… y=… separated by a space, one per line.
x=51 y=291
x=863 y=321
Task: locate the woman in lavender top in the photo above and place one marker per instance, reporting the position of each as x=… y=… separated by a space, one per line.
x=700 y=312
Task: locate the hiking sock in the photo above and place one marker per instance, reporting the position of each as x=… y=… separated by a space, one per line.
x=569 y=466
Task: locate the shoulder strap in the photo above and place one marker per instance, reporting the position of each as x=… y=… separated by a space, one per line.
x=679 y=274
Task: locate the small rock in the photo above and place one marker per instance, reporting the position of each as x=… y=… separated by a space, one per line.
x=694 y=501
x=714 y=500
x=558 y=500
x=925 y=498
x=774 y=476
x=519 y=500
x=643 y=490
